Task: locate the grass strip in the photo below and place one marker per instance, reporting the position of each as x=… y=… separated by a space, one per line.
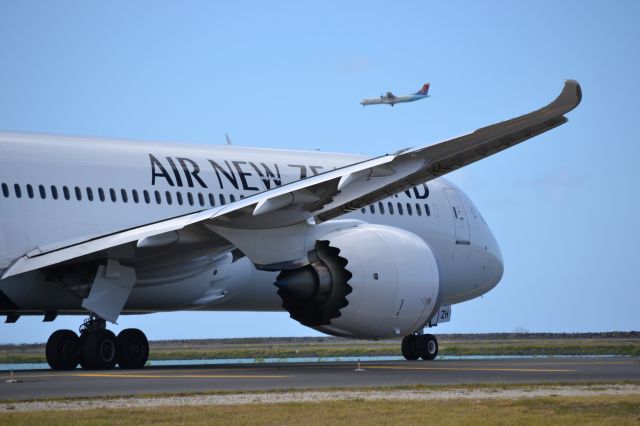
x=619 y=410
x=595 y=385
x=519 y=349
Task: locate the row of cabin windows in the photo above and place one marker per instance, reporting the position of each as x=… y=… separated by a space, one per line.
x=400 y=207
x=112 y=194
x=158 y=196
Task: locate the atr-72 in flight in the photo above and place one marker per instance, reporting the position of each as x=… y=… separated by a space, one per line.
x=391 y=99
x=348 y=245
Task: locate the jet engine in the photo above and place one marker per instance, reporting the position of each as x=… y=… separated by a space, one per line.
x=368 y=281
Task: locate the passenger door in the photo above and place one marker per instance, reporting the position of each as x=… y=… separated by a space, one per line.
x=460 y=222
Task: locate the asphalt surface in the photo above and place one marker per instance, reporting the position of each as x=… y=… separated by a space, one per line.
x=157 y=380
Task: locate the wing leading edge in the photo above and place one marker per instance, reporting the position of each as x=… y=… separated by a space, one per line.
x=331 y=194
x=447 y=156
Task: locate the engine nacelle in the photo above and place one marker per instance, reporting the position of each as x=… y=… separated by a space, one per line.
x=368 y=281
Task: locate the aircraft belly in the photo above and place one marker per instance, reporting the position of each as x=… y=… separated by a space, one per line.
x=236 y=286
x=32 y=292
x=225 y=286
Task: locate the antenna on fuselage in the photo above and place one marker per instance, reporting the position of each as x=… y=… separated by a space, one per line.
x=228 y=139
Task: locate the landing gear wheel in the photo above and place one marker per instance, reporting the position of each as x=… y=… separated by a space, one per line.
x=133 y=348
x=410 y=347
x=62 y=350
x=98 y=350
x=81 y=359
x=427 y=346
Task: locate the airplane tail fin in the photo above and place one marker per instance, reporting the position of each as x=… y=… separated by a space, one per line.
x=424 y=90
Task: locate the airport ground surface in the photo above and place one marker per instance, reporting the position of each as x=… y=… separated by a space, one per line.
x=289 y=376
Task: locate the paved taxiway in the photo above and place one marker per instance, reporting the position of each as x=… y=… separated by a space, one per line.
x=157 y=380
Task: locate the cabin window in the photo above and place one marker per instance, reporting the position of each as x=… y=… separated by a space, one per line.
x=89 y=194
x=381 y=207
x=390 y=206
x=212 y=200
x=158 y=197
x=54 y=192
x=372 y=209
x=400 y=212
x=179 y=197
x=5 y=190
x=222 y=200
x=418 y=209
x=426 y=210
x=201 y=199
x=67 y=194
x=145 y=194
x=134 y=193
x=101 y=194
x=409 y=210
x=168 y=197
x=112 y=193
x=78 y=193
x=190 y=198
x=123 y=193
x=30 y=190
x=18 y=191
x=43 y=192
x=232 y=198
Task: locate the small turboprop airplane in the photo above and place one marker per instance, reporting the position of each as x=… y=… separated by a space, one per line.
x=391 y=99
x=363 y=247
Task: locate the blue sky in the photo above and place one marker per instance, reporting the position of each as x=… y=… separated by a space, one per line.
x=563 y=206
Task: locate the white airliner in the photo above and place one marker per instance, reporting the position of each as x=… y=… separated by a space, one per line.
x=348 y=245
x=391 y=99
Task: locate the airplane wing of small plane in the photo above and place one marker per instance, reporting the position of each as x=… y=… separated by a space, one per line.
x=330 y=194
x=390 y=95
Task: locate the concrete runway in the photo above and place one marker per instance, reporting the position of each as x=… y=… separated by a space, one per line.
x=157 y=380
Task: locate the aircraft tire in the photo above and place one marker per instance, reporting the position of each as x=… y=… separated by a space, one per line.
x=133 y=348
x=62 y=350
x=98 y=350
x=428 y=347
x=81 y=359
x=409 y=347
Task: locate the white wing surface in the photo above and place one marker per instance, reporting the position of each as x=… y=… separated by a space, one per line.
x=333 y=193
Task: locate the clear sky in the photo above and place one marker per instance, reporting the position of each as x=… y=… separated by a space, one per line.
x=563 y=206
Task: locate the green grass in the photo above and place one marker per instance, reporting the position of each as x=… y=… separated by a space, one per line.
x=530 y=348
x=592 y=385
x=592 y=410
x=393 y=350
x=345 y=348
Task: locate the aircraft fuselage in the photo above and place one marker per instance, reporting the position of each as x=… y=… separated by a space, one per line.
x=386 y=100
x=60 y=190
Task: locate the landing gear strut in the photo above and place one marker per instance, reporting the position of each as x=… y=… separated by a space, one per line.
x=97 y=348
x=416 y=346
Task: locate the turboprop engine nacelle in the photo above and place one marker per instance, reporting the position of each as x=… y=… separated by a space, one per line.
x=368 y=281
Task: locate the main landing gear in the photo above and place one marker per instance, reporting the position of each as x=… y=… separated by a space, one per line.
x=97 y=348
x=416 y=346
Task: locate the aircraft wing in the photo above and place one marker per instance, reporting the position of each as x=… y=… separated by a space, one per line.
x=333 y=193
